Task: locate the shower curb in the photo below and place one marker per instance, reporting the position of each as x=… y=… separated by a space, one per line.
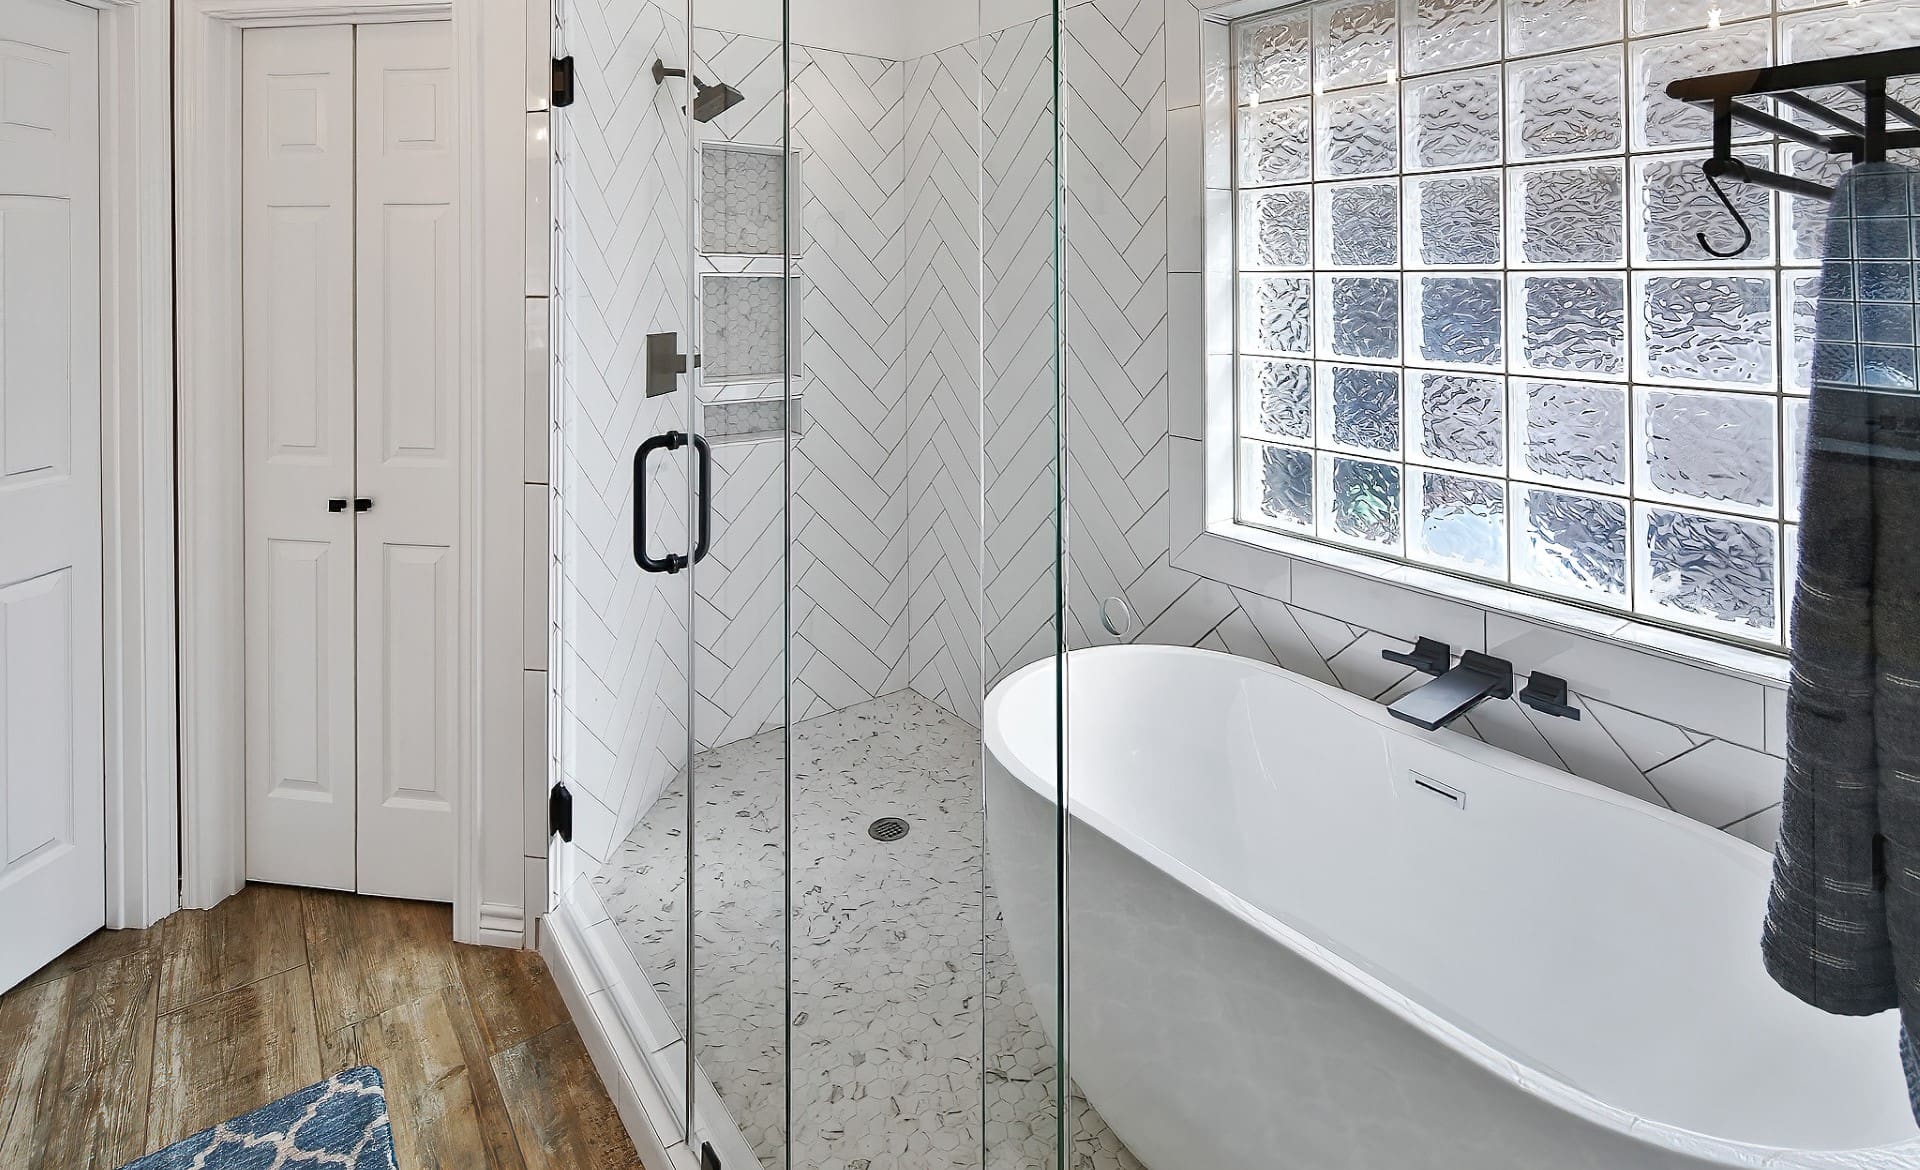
x=601 y=984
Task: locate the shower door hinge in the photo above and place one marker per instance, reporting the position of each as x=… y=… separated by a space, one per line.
x=560 y=813
x=708 y=1159
x=563 y=80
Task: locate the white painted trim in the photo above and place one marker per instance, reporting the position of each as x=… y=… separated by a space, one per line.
x=489 y=41
x=490 y=55
x=136 y=441
x=503 y=926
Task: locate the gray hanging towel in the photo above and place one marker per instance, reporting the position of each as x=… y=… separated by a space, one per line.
x=1843 y=919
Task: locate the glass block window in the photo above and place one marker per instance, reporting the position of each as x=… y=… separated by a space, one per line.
x=1477 y=330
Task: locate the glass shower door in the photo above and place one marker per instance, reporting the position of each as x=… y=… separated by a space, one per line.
x=747 y=410
x=634 y=471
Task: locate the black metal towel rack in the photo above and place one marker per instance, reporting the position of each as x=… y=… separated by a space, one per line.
x=1884 y=124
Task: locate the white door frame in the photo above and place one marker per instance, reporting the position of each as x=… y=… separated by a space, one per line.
x=207 y=291
x=136 y=448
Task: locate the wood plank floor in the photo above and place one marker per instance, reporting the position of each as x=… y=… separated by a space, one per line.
x=137 y=1038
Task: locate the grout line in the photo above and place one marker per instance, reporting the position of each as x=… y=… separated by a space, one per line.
x=1588 y=704
x=1744 y=819
x=1670 y=759
x=1528 y=716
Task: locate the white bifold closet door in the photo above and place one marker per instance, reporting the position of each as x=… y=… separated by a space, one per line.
x=352 y=412
x=52 y=831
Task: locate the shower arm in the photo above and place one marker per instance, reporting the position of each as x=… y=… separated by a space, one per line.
x=661 y=72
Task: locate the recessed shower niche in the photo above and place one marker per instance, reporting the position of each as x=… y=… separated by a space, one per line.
x=744 y=273
x=742 y=189
x=742 y=315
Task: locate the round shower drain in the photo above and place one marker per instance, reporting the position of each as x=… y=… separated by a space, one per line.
x=888 y=829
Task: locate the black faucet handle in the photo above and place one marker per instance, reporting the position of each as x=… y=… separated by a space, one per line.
x=1497 y=669
x=1548 y=695
x=1428 y=656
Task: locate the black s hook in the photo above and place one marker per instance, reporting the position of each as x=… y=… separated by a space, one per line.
x=1713 y=168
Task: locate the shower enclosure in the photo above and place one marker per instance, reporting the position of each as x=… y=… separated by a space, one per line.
x=896 y=346
x=808 y=380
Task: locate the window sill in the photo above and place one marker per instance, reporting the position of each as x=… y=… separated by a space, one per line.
x=1254 y=558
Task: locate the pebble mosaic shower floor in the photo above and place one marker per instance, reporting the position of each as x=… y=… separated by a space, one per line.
x=887 y=987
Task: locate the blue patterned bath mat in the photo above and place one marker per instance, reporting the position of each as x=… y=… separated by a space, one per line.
x=339 y=1123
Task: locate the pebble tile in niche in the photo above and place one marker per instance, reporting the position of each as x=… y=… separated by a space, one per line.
x=887 y=973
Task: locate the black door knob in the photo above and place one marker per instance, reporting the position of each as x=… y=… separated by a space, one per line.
x=363 y=504
x=336 y=505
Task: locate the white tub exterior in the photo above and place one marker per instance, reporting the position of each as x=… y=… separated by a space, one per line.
x=1285 y=952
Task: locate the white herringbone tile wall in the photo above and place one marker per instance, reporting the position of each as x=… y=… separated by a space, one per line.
x=943 y=378
x=1018 y=176
x=1116 y=184
x=623 y=214
x=849 y=497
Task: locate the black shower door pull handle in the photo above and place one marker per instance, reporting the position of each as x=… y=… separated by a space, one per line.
x=703 y=471
x=703 y=535
x=672 y=562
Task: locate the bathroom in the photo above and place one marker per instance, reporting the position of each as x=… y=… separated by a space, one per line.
x=1004 y=585
x=1035 y=346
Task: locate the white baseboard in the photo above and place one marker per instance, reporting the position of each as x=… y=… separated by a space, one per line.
x=502 y=926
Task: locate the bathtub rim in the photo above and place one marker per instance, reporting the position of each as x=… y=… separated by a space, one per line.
x=1535 y=1082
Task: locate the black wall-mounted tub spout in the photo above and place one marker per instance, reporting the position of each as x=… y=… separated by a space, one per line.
x=1479 y=677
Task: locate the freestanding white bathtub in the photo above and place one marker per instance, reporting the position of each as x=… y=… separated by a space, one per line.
x=1304 y=935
